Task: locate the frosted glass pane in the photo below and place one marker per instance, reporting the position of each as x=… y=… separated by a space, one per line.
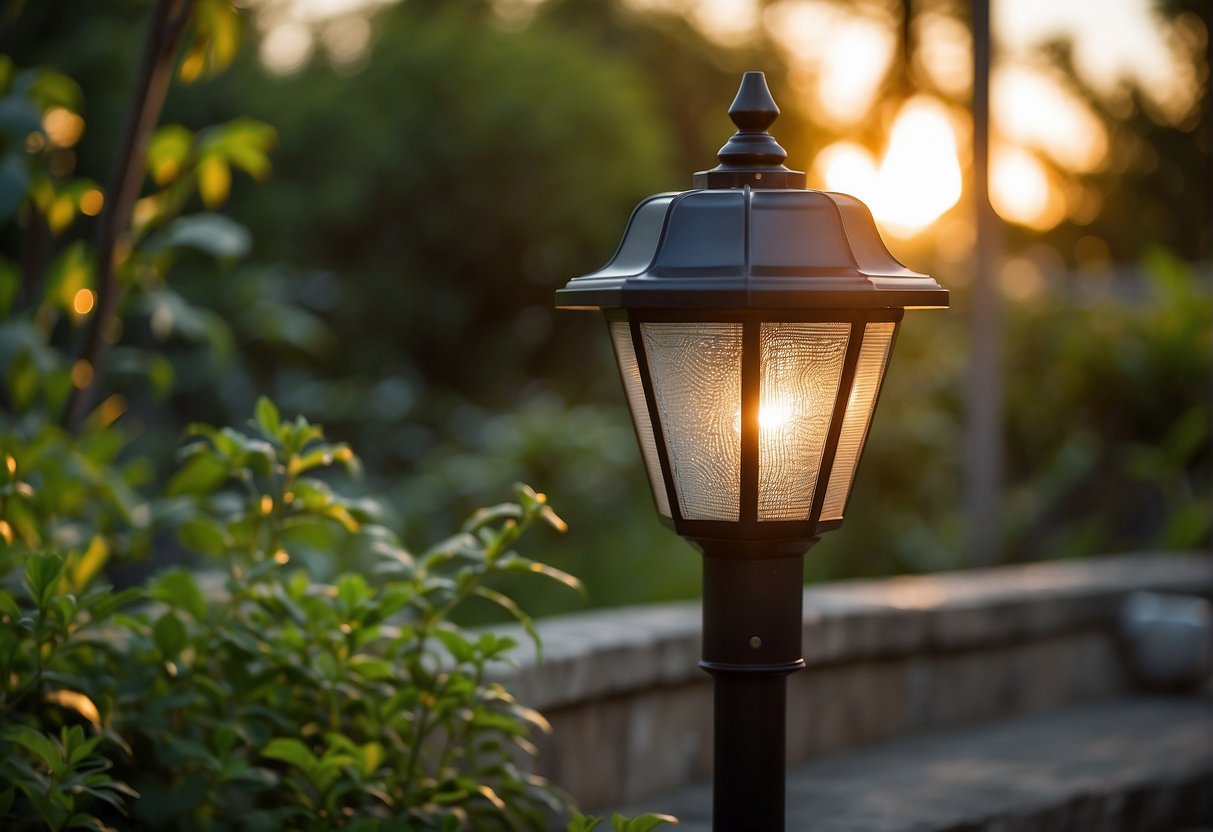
x=873 y=356
x=801 y=370
x=625 y=353
x=696 y=369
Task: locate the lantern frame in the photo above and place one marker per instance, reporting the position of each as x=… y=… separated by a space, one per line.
x=773 y=537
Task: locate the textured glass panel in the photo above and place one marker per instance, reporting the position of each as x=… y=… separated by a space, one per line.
x=696 y=369
x=873 y=356
x=801 y=370
x=625 y=352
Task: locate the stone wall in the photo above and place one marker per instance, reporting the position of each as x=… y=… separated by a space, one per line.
x=631 y=711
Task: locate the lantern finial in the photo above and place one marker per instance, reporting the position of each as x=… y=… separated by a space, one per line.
x=754 y=109
x=752 y=156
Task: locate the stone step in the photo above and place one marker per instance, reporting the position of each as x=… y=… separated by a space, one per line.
x=1138 y=764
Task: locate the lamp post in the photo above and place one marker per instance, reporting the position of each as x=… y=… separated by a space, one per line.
x=752 y=320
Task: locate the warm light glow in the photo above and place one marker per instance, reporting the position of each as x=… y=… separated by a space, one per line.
x=1021 y=190
x=947 y=54
x=286 y=47
x=917 y=180
x=1034 y=111
x=63 y=127
x=1021 y=279
x=78 y=702
x=91 y=202
x=837 y=55
x=110 y=410
x=82 y=374
x=772 y=415
x=82 y=302
x=1126 y=39
x=856 y=60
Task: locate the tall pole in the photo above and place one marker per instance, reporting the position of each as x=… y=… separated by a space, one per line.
x=751 y=643
x=983 y=440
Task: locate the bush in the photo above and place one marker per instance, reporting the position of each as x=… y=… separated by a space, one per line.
x=256 y=697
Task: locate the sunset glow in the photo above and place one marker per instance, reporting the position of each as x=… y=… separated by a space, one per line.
x=840 y=57
x=916 y=180
x=1022 y=191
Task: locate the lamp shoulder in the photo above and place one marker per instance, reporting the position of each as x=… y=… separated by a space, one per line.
x=752 y=248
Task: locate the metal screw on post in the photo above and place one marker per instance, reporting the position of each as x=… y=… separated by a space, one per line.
x=753 y=321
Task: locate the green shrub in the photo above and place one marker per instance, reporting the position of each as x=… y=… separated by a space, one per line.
x=256 y=697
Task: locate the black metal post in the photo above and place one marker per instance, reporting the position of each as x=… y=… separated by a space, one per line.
x=751 y=643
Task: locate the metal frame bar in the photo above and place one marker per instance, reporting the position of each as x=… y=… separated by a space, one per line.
x=830 y=450
x=863 y=444
x=650 y=400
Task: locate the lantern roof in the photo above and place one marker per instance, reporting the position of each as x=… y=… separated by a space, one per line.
x=750 y=236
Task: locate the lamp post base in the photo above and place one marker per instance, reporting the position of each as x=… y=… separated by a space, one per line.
x=751 y=643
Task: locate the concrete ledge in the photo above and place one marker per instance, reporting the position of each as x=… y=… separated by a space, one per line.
x=617 y=651
x=1127 y=765
x=631 y=711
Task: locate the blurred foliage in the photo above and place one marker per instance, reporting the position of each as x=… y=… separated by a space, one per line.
x=393 y=280
x=1108 y=418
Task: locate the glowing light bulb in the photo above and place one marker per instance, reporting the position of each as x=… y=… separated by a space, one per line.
x=772 y=415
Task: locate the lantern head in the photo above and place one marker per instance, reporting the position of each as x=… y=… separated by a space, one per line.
x=752 y=320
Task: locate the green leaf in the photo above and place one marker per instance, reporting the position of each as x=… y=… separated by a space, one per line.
x=85 y=567
x=484 y=516
x=372 y=669
x=516 y=563
x=39 y=745
x=51 y=811
x=516 y=612
x=54 y=89
x=8 y=605
x=42 y=574
x=265 y=413
x=215 y=36
x=169 y=634
x=167 y=152
x=201 y=474
x=243 y=142
x=643 y=823
x=460 y=649
x=178 y=588
x=292 y=752
x=10 y=275
x=372 y=756
x=81 y=750
x=104 y=603
x=214 y=234
x=214 y=181
x=204 y=534
x=70 y=272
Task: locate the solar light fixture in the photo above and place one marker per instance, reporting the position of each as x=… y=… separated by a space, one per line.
x=753 y=321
